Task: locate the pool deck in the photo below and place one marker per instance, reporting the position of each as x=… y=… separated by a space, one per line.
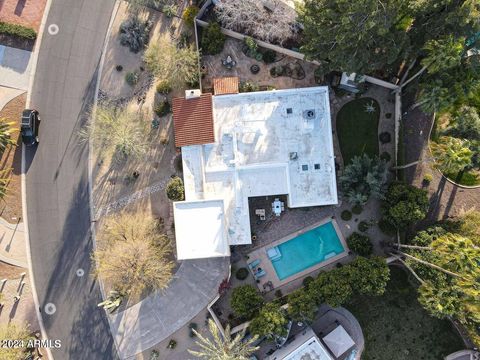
x=267 y=265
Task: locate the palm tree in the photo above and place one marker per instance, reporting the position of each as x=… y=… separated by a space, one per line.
x=452 y=154
x=7 y=131
x=223 y=347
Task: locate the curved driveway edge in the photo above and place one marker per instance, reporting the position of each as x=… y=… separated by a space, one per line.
x=157 y=317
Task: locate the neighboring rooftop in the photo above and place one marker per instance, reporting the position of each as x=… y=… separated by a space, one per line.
x=305 y=346
x=193 y=119
x=267 y=143
x=225 y=85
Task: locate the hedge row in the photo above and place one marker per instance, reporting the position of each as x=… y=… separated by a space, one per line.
x=17 y=30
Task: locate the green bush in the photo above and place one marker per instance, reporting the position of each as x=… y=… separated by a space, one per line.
x=135 y=33
x=241 y=274
x=245 y=301
x=175 y=190
x=212 y=39
x=386 y=227
x=357 y=209
x=17 y=30
x=385 y=156
x=246 y=86
x=131 y=78
x=189 y=15
x=119 y=68
x=162 y=108
x=307 y=281
x=427 y=179
x=385 y=137
x=346 y=215
x=164 y=87
x=360 y=244
x=363 y=226
x=251 y=44
x=269 y=56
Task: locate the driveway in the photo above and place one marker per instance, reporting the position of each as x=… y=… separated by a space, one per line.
x=15 y=67
x=57 y=192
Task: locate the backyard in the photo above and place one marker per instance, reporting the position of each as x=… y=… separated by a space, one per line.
x=396 y=327
x=357 y=128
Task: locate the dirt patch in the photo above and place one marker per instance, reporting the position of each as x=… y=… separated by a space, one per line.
x=23 y=12
x=11 y=205
x=10 y=272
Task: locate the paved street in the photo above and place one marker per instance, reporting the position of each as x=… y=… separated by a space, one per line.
x=57 y=181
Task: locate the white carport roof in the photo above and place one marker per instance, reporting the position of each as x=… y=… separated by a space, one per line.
x=338 y=341
x=200 y=229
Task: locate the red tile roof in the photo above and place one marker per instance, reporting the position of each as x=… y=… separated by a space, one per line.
x=193 y=120
x=225 y=85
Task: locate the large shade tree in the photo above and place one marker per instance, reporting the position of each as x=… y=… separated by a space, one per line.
x=353 y=36
x=270 y=322
x=245 y=301
x=223 y=347
x=133 y=254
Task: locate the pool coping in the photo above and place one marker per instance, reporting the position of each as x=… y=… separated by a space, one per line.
x=266 y=264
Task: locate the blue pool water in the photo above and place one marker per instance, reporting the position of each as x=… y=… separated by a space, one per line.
x=305 y=250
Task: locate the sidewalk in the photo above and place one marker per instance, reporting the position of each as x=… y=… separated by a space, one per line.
x=15 y=67
x=12 y=244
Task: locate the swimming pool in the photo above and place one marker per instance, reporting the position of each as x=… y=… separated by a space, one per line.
x=305 y=250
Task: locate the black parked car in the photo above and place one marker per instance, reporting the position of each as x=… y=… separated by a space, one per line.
x=29 y=127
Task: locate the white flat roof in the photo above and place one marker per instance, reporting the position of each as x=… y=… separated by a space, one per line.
x=200 y=229
x=266 y=143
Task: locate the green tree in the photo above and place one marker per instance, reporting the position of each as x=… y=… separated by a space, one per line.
x=353 y=36
x=212 y=39
x=333 y=287
x=226 y=347
x=452 y=155
x=175 y=189
x=467 y=123
x=360 y=244
x=245 y=301
x=302 y=306
x=132 y=254
x=7 y=134
x=168 y=61
x=270 y=322
x=369 y=276
x=404 y=205
x=362 y=178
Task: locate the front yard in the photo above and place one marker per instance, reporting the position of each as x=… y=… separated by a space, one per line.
x=396 y=327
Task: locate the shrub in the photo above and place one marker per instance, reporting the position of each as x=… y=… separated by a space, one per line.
x=346 y=215
x=363 y=226
x=270 y=322
x=119 y=68
x=405 y=204
x=170 y=10
x=278 y=293
x=241 y=274
x=360 y=244
x=175 y=190
x=212 y=39
x=251 y=44
x=246 y=86
x=162 y=108
x=164 y=87
x=388 y=115
x=245 y=301
x=307 y=281
x=385 y=156
x=134 y=33
x=189 y=15
x=172 y=344
x=357 y=209
x=269 y=56
x=385 y=137
x=131 y=78
x=17 y=31
x=386 y=227
x=427 y=179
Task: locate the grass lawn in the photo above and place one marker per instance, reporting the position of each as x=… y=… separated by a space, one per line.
x=396 y=327
x=357 y=129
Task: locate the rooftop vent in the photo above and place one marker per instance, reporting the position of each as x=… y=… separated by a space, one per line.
x=309 y=114
x=289 y=111
x=192 y=94
x=293 y=156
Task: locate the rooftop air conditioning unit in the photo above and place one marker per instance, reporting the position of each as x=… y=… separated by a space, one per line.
x=309 y=114
x=293 y=156
x=192 y=94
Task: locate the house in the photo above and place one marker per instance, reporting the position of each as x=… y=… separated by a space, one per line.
x=235 y=146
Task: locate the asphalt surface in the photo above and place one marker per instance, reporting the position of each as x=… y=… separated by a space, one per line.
x=57 y=180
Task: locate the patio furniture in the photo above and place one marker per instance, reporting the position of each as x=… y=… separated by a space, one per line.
x=254 y=264
x=254 y=69
x=261 y=213
x=228 y=62
x=259 y=273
